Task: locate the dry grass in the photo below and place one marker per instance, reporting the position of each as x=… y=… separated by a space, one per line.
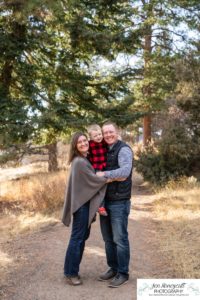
x=12 y=224
x=178 y=210
x=41 y=192
x=30 y=203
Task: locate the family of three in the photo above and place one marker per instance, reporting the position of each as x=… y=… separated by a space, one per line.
x=100 y=180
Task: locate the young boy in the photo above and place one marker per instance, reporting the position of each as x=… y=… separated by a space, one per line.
x=97 y=154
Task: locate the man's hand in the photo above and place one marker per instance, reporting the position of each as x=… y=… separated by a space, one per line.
x=109 y=180
x=119 y=179
x=115 y=179
x=100 y=174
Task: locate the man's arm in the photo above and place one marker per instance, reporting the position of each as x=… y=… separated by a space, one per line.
x=125 y=161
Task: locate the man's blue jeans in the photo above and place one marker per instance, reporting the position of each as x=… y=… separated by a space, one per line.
x=115 y=235
x=80 y=233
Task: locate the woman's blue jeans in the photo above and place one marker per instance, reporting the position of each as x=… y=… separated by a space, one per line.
x=115 y=235
x=80 y=233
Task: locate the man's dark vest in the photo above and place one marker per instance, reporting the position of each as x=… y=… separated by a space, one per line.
x=117 y=190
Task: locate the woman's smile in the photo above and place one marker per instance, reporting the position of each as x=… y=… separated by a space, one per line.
x=82 y=145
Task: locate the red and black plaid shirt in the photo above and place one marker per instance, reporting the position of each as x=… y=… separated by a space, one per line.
x=98 y=154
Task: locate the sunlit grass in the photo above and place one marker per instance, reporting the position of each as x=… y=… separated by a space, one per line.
x=37 y=192
x=178 y=210
x=12 y=224
x=31 y=202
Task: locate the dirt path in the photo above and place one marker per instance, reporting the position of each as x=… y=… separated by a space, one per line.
x=36 y=273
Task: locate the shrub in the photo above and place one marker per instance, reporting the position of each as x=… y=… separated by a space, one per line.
x=170 y=158
x=7 y=156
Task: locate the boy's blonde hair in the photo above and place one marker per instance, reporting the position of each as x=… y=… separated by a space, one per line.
x=93 y=127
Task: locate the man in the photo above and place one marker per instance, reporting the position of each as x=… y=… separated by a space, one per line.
x=117 y=203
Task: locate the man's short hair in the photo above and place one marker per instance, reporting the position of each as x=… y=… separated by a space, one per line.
x=93 y=127
x=111 y=123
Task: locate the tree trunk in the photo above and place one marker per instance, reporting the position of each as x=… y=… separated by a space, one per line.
x=53 y=162
x=147 y=88
x=5 y=78
x=146 y=130
x=147 y=92
x=18 y=34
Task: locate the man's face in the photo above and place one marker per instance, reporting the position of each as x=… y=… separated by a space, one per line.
x=110 y=134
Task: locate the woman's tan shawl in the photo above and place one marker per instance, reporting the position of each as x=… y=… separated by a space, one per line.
x=83 y=185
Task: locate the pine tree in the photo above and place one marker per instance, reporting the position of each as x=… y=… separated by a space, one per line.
x=160 y=26
x=188 y=97
x=48 y=86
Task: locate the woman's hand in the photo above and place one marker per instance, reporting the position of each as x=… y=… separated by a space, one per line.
x=100 y=174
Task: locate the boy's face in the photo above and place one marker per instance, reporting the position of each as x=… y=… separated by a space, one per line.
x=96 y=136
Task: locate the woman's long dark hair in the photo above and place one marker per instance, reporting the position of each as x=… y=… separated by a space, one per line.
x=73 y=152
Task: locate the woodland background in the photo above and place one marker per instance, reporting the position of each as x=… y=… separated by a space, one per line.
x=68 y=63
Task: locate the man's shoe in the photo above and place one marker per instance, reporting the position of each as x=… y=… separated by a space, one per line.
x=74 y=280
x=118 y=280
x=107 y=275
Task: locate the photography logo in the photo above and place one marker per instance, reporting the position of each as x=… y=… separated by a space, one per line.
x=168 y=289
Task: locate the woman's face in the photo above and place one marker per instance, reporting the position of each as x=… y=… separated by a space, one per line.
x=82 y=145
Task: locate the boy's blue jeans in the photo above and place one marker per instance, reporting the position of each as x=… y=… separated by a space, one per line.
x=80 y=233
x=115 y=235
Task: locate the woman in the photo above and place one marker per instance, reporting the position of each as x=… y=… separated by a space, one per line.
x=83 y=196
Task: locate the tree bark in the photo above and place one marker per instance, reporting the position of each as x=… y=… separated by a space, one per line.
x=146 y=130
x=18 y=34
x=53 y=161
x=147 y=88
